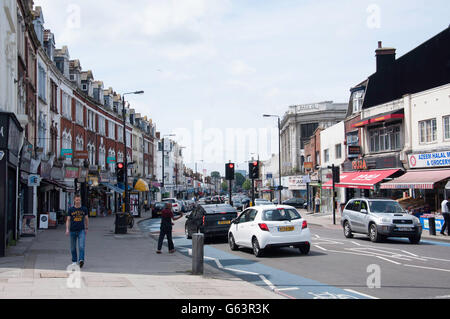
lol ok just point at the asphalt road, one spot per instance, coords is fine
(336, 267)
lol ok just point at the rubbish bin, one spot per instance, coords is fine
(121, 224)
(432, 226)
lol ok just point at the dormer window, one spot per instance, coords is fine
(84, 87)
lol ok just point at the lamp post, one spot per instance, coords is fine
(279, 154)
(125, 159)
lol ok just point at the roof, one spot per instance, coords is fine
(423, 68)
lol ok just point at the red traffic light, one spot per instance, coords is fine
(230, 165)
(255, 163)
(120, 165)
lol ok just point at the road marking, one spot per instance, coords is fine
(359, 293)
(394, 262)
(442, 297)
(320, 247)
(429, 268)
(357, 244)
(243, 271)
(267, 282)
(286, 289)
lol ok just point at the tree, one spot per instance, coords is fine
(224, 186)
(247, 185)
(240, 179)
(215, 174)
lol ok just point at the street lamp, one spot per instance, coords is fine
(279, 153)
(125, 159)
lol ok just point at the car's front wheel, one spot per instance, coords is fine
(347, 230)
(373, 233)
(257, 251)
(232, 243)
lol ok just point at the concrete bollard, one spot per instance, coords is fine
(198, 240)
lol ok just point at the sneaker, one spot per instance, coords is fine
(443, 234)
(81, 263)
(158, 251)
(172, 251)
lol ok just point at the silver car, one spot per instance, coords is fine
(379, 218)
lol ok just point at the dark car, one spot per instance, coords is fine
(295, 202)
(157, 208)
(211, 220)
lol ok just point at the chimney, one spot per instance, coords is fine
(385, 57)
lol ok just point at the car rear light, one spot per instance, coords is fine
(263, 227)
(304, 225)
(203, 220)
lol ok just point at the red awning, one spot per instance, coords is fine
(362, 180)
(420, 179)
(380, 118)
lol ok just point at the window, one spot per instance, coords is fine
(326, 156)
(84, 87)
(385, 139)
(91, 152)
(91, 121)
(66, 106)
(111, 130)
(120, 134)
(102, 156)
(128, 139)
(446, 127)
(357, 101)
(338, 149)
(54, 97)
(79, 117)
(79, 143)
(427, 131)
(101, 125)
(42, 83)
(317, 158)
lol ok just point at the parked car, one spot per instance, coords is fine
(211, 220)
(296, 202)
(379, 219)
(263, 227)
(237, 204)
(157, 208)
(176, 206)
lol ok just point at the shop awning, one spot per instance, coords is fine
(113, 188)
(141, 186)
(362, 180)
(421, 179)
(399, 114)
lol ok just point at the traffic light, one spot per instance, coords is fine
(253, 169)
(336, 174)
(229, 171)
(120, 171)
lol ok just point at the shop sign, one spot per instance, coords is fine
(437, 159)
(67, 153)
(297, 183)
(359, 165)
(308, 165)
(72, 172)
(81, 155)
(354, 151)
(111, 160)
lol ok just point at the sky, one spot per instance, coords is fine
(211, 68)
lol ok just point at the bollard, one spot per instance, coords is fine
(197, 253)
(121, 224)
(432, 226)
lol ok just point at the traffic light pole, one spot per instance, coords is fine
(253, 192)
(334, 195)
(125, 159)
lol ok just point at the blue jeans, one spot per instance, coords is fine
(81, 237)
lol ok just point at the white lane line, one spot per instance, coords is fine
(215, 260)
(359, 293)
(429, 268)
(287, 289)
(442, 297)
(242, 271)
(267, 282)
(391, 261)
(320, 247)
(357, 244)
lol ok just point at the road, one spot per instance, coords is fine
(336, 268)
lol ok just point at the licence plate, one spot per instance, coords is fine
(224, 222)
(285, 228)
(405, 229)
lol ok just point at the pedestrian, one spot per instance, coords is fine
(166, 227)
(445, 210)
(317, 202)
(77, 225)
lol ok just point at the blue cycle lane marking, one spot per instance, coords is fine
(282, 282)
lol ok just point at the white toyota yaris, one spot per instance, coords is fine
(263, 227)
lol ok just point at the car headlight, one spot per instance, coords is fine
(386, 220)
(417, 221)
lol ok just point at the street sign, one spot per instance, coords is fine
(34, 181)
(67, 153)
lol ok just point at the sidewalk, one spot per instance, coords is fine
(117, 266)
(326, 220)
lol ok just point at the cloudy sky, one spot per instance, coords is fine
(211, 68)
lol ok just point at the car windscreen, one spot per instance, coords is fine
(385, 207)
(280, 214)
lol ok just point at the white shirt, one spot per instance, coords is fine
(444, 208)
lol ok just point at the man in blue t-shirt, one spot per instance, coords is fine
(77, 227)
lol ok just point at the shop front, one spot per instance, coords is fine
(423, 186)
(10, 134)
